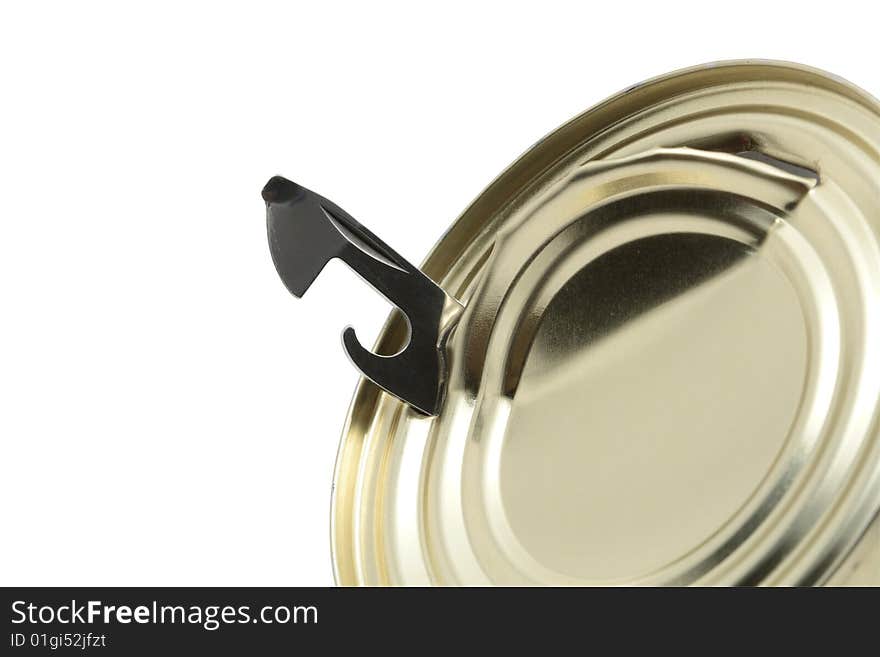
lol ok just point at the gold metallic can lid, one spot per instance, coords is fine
(648, 353)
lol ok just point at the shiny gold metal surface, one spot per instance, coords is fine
(667, 370)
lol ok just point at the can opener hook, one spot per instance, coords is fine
(306, 231)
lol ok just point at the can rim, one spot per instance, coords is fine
(516, 179)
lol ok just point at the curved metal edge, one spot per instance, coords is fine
(518, 178)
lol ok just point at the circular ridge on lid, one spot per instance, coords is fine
(664, 371)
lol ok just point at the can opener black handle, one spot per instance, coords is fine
(306, 231)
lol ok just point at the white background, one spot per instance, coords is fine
(169, 414)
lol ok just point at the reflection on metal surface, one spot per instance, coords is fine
(666, 370)
(619, 286)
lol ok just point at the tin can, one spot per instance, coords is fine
(646, 354)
